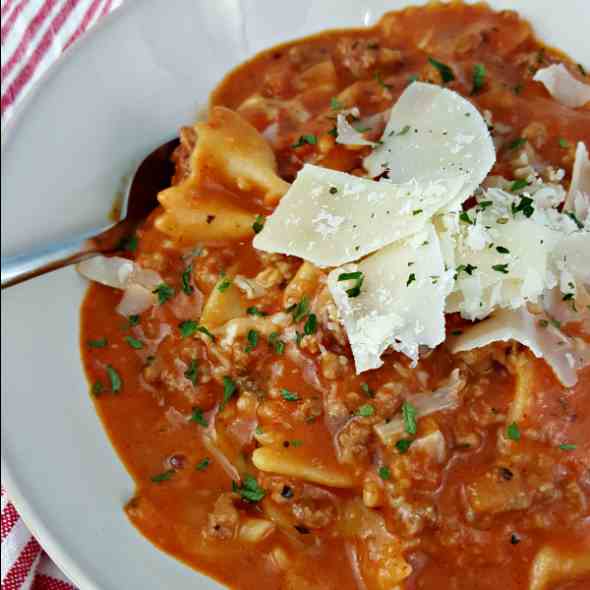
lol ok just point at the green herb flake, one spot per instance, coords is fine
(502, 250)
(503, 268)
(379, 78)
(164, 476)
(384, 473)
(366, 410)
(358, 277)
(296, 443)
(525, 206)
(484, 204)
(513, 432)
(256, 312)
(417, 211)
(192, 372)
(100, 343)
(224, 285)
(403, 130)
(567, 447)
(464, 217)
(563, 143)
(403, 445)
(479, 76)
(229, 389)
(133, 320)
(198, 417)
(411, 279)
(466, 268)
(276, 343)
(445, 71)
(517, 143)
(129, 243)
(134, 342)
(307, 139)
(409, 417)
(300, 309)
(249, 490)
(204, 330)
(518, 185)
(188, 328)
(252, 338)
(258, 224)
(203, 464)
(289, 396)
(97, 388)
(574, 218)
(115, 379)
(412, 78)
(335, 104)
(164, 293)
(186, 280)
(367, 390)
(311, 325)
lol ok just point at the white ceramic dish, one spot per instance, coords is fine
(122, 90)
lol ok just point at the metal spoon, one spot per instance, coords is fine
(151, 176)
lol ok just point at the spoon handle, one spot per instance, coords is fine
(19, 268)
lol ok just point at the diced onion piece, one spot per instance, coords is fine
(563, 86)
(346, 133)
(331, 218)
(434, 133)
(136, 299)
(254, 530)
(534, 331)
(112, 272)
(445, 397)
(578, 197)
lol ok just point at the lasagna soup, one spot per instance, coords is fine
(349, 349)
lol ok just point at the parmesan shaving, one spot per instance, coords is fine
(578, 197)
(562, 86)
(346, 133)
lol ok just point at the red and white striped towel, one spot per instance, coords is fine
(34, 34)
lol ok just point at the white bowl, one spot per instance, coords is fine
(125, 88)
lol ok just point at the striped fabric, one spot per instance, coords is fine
(34, 34)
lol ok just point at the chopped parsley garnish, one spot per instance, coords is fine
(289, 396)
(311, 325)
(186, 280)
(134, 343)
(99, 343)
(384, 473)
(255, 311)
(129, 243)
(411, 279)
(97, 388)
(567, 297)
(204, 330)
(403, 444)
(133, 320)
(409, 417)
(466, 268)
(501, 268)
(513, 432)
(249, 490)
(366, 410)
(229, 389)
(367, 390)
(307, 139)
(115, 379)
(164, 292)
(296, 443)
(335, 104)
(252, 338)
(224, 285)
(417, 211)
(333, 190)
(485, 204)
(464, 217)
(197, 416)
(358, 277)
(518, 185)
(479, 76)
(567, 447)
(502, 250)
(299, 310)
(403, 130)
(188, 328)
(446, 73)
(377, 76)
(525, 207)
(563, 143)
(258, 224)
(192, 372)
(203, 464)
(574, 218)
(516, 143)
(412, 78)
(164, 476)
(276, 343)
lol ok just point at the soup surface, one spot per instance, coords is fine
(469, 497)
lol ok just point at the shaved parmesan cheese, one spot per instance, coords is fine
(121, 273)
(563, 86)
(434, 134)
(401, 300)
(346, 133)
(572, 254)
(332, 218)
(578, 197)
(534, 331)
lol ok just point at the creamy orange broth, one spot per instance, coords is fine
(475, 520)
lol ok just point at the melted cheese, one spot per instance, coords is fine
(331, 218)
(434, 134)
(401, 303)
